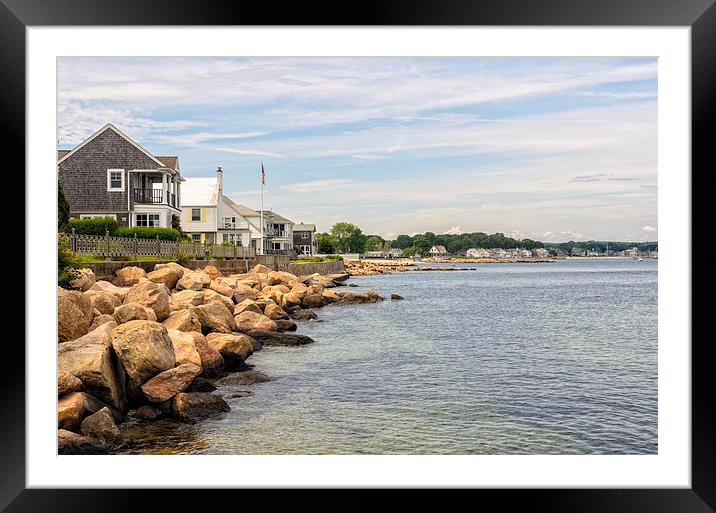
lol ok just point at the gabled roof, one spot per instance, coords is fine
(304, 227)
(170, 161)
(439, 249)
(110, 126)
(242, 210)
(275, 218)
(199, 192)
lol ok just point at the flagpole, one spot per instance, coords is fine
(262, 208)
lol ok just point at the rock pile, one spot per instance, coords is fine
(151, 345)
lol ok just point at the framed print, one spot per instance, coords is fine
(416, 248)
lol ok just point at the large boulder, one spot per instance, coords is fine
(214, 316)
(280, 277)
(247, 305)
(128, 276)
(190, 407)
(211, 295)
(74, 314)
(259, 269)
(179, 269)
(105, 302)
(105, 286)
(84, 281)
(212, 363)
(244, 378)
(144, 349)
(290, 299)
(273, 338)
(167, 276)
(273, 311)
(73, 408)
(92, 360)
(285, 325)
(193, 280)
(234, 348)
(99, 320)
(227, 281)
(248, 321)
(169, 383)
(67, 383)
(243, 292)
(304, 314)
(222, 289)
(184, 348)
(133, 312)
(185, 299)
(183, 320)
(152, 295)
(299, 290)
(100, 426)
(212, 271)
(312, 300)
(362, 297)
(72, 443)
(330, 296)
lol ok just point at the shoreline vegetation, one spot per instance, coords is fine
(146, 346)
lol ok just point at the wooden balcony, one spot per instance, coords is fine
(154, 197)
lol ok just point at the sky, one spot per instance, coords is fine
(553, 149)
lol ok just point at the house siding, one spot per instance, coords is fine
(84, 174)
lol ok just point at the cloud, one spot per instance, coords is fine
(455, 230)
(318, 185)
(649, 229)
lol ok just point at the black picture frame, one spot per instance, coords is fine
(700, 15)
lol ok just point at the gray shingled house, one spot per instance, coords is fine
(109, 174)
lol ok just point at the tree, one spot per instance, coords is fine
(374, 243)
(348, 238)
(403, 242)
(325, 243)
(63, 208)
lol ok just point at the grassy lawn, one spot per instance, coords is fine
(333, 258)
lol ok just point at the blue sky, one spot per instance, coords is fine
(553, 149)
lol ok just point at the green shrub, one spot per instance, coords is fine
(67, 264)
(227, 243)
(327, 258)
(144, 232)
(93, 226)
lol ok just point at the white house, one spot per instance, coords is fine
(438, 251)
(477, 253)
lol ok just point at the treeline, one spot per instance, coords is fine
(601, 246)
(457, 243)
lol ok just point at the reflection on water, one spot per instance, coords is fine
(509, 359)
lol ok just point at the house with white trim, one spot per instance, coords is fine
(109, 174)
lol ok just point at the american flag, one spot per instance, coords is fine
(263, 174)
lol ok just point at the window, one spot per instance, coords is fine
(115, 179)
(149, 220)
(305, 235)
(196, 214)
(196, 237)
(276, 245)
(306, 250)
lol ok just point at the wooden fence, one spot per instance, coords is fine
(111, 248)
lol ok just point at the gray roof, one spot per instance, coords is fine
(304, 227)
(242, 210)
(275, 218)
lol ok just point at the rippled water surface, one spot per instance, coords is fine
(556, 358)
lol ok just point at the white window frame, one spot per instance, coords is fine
(192, 215)
(196, 237)
(305, 235)
(148, 214)
(109, 180)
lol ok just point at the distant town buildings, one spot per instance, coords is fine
(304, 237)
(477, 253)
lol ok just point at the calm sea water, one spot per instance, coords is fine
(556, 358)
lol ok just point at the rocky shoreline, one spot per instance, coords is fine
(157, 345)
(371, 267)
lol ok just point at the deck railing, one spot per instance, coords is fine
(113, 248)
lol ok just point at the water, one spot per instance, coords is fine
(556, 358)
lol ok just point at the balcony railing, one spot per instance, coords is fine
(150, 196)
